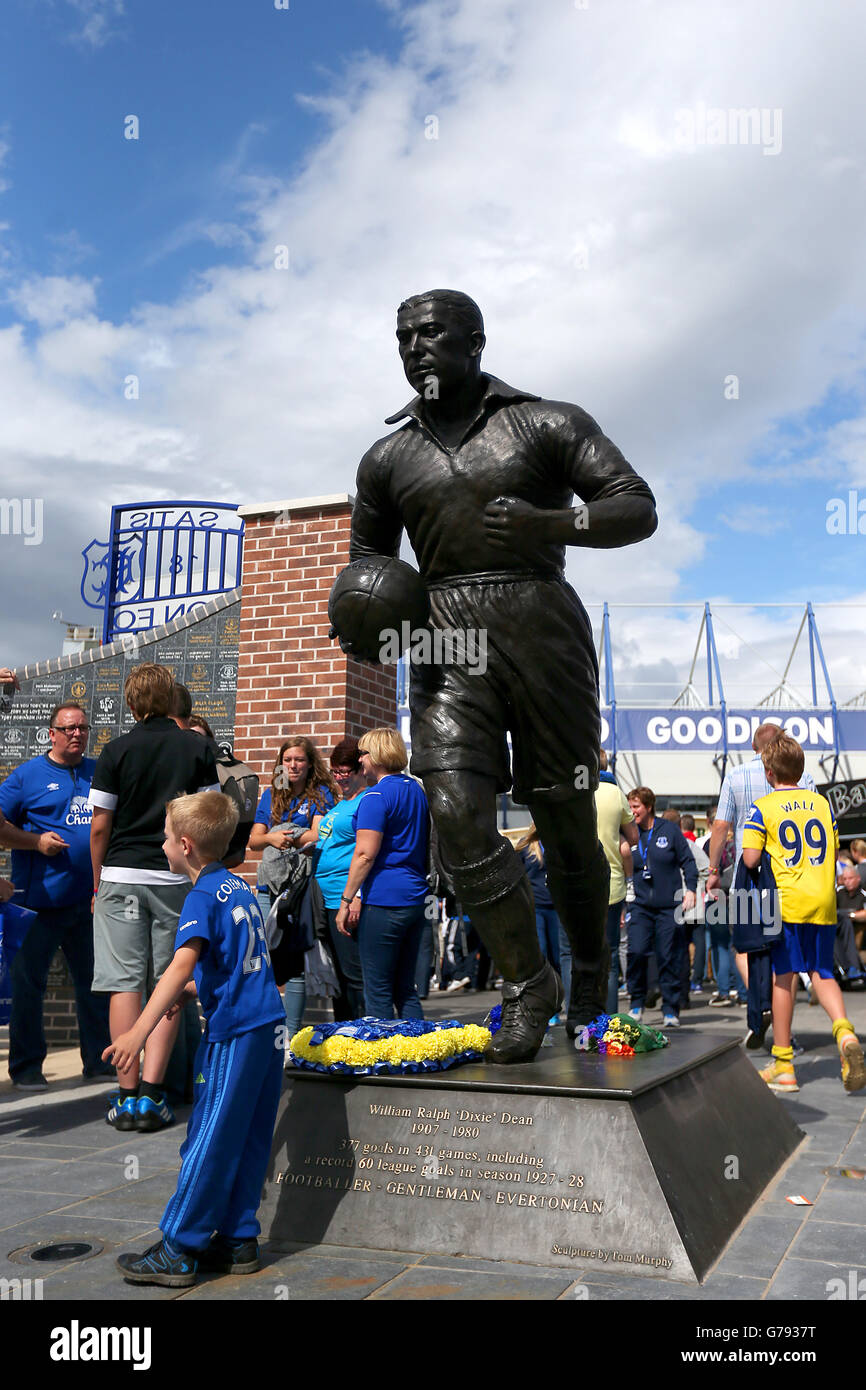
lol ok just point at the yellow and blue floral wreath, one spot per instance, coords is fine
(372, 1046)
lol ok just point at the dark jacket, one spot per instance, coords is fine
(754, 925)
(665, 850)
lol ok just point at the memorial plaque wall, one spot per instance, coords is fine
(201, 651)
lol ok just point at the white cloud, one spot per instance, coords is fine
(846, 446)
(96, 20)
(48, 300)
(70, 249)
(614, 269)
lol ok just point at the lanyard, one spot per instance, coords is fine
(639, 846)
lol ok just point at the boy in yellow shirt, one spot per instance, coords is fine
(797, 829)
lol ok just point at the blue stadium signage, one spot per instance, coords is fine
(162, 561)
(698, 730)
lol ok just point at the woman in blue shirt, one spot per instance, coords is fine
(301, 789)
(389, 866)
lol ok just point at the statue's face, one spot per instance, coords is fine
(432, 343)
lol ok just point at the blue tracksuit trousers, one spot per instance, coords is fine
(655, 929)
(228, 1140)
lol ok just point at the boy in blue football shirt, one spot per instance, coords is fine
(210, 1224)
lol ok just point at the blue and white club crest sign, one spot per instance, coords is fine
(163, 560)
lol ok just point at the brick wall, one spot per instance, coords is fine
(59, 1016)
(291, 677)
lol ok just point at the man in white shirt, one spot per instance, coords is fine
(740, 790)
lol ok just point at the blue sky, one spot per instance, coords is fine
(617, 264)
(214, 87)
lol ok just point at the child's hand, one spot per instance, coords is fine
(189, 991)
(124, 1051)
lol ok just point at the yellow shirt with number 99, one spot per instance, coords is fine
(798, 831)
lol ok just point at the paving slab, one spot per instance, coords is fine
(304, 1279)
(479, 1266)
(833, 1241)
(631, 1286)
(760, 1246)
(85, 1177)
(346, 1252)
(62, 1176)
(811, 1281)
(144, 1199)
(734, 1286)
(99, 1279)
(841, 1204)
(431, 1285)
(114, 1236)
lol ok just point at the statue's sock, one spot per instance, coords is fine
(581, 901)
(497, 898)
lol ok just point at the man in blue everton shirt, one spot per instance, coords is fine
(210, 1223)
(47, 827)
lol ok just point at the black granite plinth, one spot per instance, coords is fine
(645, 1165)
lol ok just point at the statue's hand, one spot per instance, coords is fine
(513, 524)
(348, 649)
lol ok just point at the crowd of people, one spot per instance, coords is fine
(126, 863)
(345, 862)
(89, 863)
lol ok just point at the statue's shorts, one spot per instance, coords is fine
(507, 654)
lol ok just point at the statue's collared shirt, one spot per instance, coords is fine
(517, 445)
(494, 390)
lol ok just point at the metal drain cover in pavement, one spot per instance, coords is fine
(64, 1250)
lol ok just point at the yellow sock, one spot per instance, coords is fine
(783, 1054)
(841, 1026)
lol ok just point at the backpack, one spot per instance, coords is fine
(241, 784)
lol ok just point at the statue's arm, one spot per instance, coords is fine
(376, 523)
(617, 507)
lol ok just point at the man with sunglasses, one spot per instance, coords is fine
(47, 827)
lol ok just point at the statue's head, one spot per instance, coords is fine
(440, 335)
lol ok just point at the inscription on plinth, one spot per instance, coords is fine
(572, 1161)
(541, 1179)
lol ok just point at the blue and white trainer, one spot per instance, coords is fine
(161, 1264)
(152, 1114)
(121, 1113)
